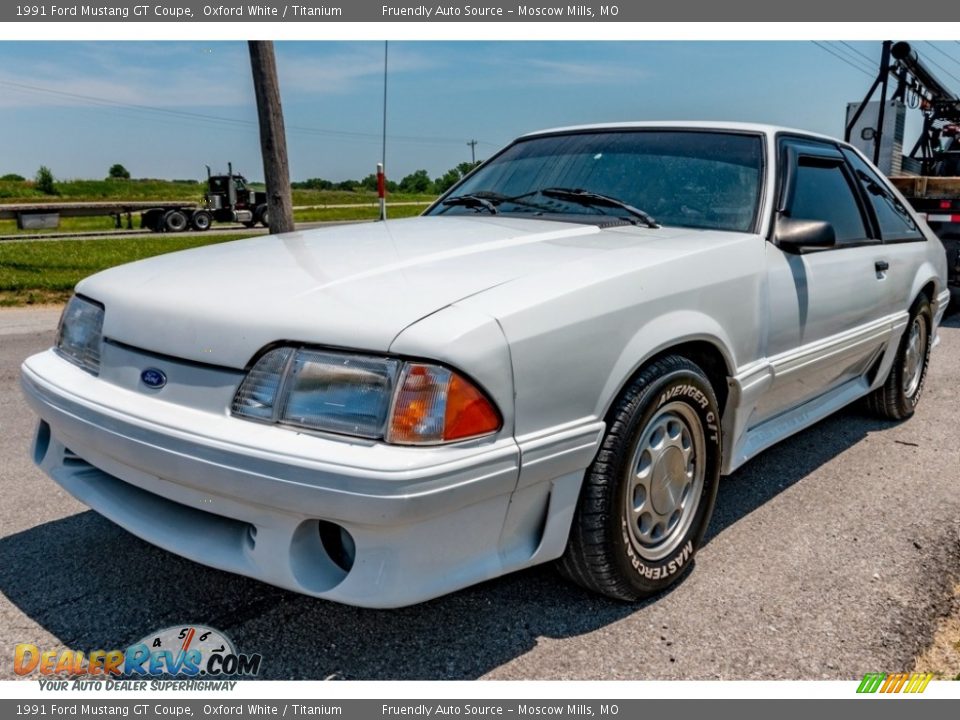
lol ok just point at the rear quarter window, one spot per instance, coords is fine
(892, 216)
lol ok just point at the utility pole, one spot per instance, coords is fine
(473, 151)
(273, 141)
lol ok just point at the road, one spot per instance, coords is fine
(830, 555)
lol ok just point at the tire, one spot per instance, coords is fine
(666, 424)
(152, 219)
(174, 221)
(263, 216)
(201, 221)
(900, 393)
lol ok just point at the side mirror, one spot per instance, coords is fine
(795, 235)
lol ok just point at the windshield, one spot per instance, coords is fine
(697, 179)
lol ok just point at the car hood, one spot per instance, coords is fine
(353, 286)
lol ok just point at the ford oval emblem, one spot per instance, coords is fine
(153, 378)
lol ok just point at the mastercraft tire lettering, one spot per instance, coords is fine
(649, 494)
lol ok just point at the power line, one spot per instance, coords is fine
(938, 65)
(235, 122)
(842, 58)
(942, 52)
(854, 58)
(861, 54)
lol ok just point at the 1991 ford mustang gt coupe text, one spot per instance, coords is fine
(558, 360)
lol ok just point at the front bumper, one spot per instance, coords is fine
(250, 499)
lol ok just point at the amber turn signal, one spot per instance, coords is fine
(435, 405)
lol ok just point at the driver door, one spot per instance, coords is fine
(826, 315)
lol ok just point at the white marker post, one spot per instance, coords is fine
(382, 191)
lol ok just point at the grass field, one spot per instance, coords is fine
(12, 192)
(46, 271)
(102, 190)
(314, 214)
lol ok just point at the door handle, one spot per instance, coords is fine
(881, 266)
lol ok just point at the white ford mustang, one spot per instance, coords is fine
(558, 360)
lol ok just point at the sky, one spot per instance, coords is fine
(167, 109)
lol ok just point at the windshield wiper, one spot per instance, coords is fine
(472, 201)
(592, 199)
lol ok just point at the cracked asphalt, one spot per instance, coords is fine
(830, 555)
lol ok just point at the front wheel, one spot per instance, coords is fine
(899, 395)
(649, 494)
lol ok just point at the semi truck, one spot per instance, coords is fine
(929, 175)
(228, 199)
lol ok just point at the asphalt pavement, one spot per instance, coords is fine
(830, 555)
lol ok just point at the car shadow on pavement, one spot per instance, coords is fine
(790, 461)
(92, 585)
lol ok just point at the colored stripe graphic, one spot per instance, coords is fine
(871, 682)
(895, 683)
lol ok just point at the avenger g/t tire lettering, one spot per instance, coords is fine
(647, 498)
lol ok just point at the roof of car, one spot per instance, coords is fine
(685, 124)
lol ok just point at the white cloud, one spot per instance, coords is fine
(569, 73)
(106, 75)
(340, 72)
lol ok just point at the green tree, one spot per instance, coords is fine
(453, 176)
(446, 181)
(119, 172)
(13, 177)
(416, 182)
(465, 167)
(43, 181)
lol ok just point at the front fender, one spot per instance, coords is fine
(657, 336)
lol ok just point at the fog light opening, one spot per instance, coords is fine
(338, 543)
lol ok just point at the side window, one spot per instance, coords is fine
(894, 219)
(822, 192)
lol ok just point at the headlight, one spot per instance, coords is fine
(401, 402)
(80, 333)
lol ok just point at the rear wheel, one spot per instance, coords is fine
(649, 494)
(174, 221)
(263, 215)
(899, 395)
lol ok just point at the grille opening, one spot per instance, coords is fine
(338, 543)
(71, 459)
(41, 442)
(179, 528)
